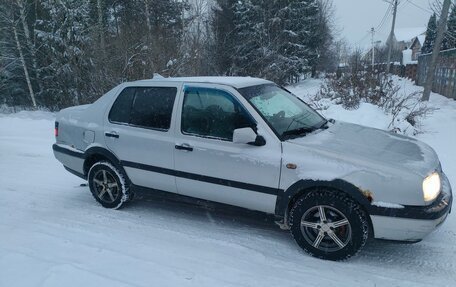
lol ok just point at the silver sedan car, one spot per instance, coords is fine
(250, 143)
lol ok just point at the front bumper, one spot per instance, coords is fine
(412, 223)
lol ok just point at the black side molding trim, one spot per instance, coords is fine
(203, 178)
(78, 174)
(67, 151)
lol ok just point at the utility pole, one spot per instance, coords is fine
(390, 38)
(436, 50)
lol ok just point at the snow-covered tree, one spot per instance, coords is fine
(327, 55)
(431, 35)
(224, 37)
(250, 36)
(16, 69)
(198, 59)
(278, 40)
(449, 42)
(57, 53)
(62, 32)
(299, 40)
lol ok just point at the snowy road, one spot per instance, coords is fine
(53, 233)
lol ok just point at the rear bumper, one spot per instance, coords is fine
(72, 159)
(412, 223)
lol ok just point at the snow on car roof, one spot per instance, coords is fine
(237, 82)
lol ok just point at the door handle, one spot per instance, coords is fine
(185, 147)
(112, 135)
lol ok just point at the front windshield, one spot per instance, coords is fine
(284, 112)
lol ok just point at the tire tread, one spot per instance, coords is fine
(336, 196)
(125, 186)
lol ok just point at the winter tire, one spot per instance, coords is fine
(108, 185)
(329, 225)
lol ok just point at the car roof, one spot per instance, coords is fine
(236, 82)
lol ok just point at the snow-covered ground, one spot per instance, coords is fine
(53, 233)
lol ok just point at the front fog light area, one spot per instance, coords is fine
(431, 187)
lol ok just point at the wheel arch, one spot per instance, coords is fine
(287, 198)
(96, 154)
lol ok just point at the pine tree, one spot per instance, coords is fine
(149, 39)
(431, 35)
(278, 40)
(73, 51)
(303, 37)
(62, 33)
(224, 36)
(167, 30)
(327, 54)
(249, 36)
(450, 38)
(293, 52)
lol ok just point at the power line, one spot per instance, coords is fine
(363, 38)
(385, 17)
(387, 14)
(401, 4)
(419, 7)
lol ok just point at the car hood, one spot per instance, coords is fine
(369, 145)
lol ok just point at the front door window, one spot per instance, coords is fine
(212, 113)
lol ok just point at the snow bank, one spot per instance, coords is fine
(397, 115)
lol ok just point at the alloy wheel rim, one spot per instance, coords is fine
(105, 186)
(326, 228)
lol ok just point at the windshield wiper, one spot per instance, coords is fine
(323, 126)
(305, 130)
(299, 131)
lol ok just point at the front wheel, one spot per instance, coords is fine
(108, 185)
(329, 225)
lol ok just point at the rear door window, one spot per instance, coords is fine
(120, 111)
(147, 107)
(153, 107)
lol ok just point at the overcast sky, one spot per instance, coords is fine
(356, 17)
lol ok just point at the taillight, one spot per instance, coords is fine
(56, 129)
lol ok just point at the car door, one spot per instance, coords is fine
(139, 130)
(209, 165)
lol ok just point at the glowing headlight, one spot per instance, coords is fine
(431, 187)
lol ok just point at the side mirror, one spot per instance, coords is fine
(248, 136)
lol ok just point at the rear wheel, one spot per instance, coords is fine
(108, 185)
(329, 225)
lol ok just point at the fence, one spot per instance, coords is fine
(407, 71)
(410, 71)
(445, 74)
